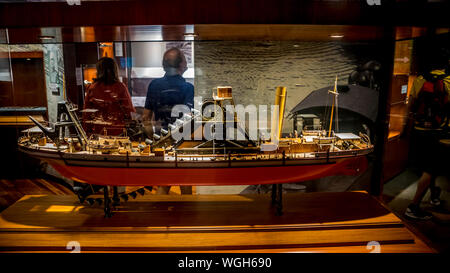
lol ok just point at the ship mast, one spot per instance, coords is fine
(335, 104)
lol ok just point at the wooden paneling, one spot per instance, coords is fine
(396, 157)
(174, 12)
(18, 120)
(30, 54)
(233, 32)
(73, 90)
(86, 53)
(29, 82)
(6, 95)
(13, 190)
(402, 58)
(266, 32)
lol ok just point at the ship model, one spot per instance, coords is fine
(161, 160)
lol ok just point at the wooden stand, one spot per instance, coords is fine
(311, 222)
(277, 198)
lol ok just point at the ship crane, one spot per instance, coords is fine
(66, 118)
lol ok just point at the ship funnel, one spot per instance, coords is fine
(280, 101)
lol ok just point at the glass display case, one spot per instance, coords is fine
(333, 81)
(217, 112)
(334, 75)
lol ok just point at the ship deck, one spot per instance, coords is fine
(312, 222)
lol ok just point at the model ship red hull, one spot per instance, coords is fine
(210, 175)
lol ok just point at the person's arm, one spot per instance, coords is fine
(87, 103)
(129, 102)
(87, 97)
(147, 115)
(189, 99)
(126, 102)
(409, 117)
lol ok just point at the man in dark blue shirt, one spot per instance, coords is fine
(163, 94)
(168, 91)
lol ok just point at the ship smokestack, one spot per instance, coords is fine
(280, 101)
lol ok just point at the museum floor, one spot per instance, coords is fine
(398, 194)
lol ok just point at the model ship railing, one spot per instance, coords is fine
(213, 157)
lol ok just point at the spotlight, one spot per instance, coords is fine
(164, 132)
(190, 36)
(337, 36)
(155, 136)
(46, 37)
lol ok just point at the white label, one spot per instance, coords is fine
(118, 49)
(54, 89)
(404, 89)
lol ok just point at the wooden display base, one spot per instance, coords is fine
(322, 222)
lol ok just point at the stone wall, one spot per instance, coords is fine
(254, 69)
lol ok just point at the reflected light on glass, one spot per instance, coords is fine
(147, 33)
(56, 208)
(336, 36)
(190, 36)
(46, 37)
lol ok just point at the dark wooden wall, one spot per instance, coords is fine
(29, 82)
(6, 94)
(76, 55)
(155, 12)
